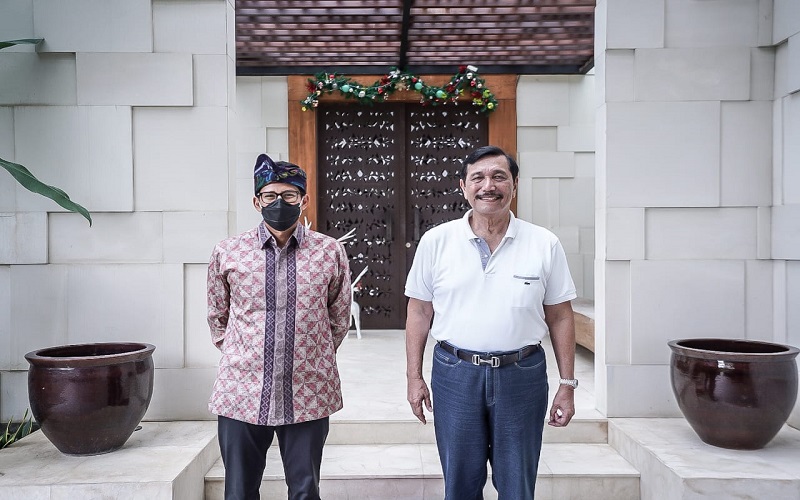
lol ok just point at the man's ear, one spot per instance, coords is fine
(256, 204)
(304, 202)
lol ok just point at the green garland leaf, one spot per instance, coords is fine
(466, 81)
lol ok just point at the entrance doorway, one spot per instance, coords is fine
(390, 173)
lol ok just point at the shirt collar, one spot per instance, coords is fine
(264, 236)
(511, 231)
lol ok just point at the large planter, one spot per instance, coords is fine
(89, 398)
(735, 394)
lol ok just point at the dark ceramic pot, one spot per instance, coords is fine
(735, 394)
(89, 398)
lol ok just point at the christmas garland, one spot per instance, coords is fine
(466, 80)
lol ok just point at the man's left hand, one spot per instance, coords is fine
(563, 407)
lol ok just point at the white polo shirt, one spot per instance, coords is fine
(496, 308)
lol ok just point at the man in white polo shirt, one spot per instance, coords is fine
(494, 286)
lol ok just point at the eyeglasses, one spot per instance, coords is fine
(290, 197)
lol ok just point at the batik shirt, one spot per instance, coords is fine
(278, 315)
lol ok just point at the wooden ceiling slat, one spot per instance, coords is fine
(554, 35)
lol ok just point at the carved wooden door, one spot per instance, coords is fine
(391, 173)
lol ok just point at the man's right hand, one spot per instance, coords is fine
(417, 394)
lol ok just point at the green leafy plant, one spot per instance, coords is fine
(22, 430)
(24, 176)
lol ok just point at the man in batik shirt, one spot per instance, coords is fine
(278, 309)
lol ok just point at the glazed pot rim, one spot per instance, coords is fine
(777, 351)
(134, 351)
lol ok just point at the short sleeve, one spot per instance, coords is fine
(559, 286)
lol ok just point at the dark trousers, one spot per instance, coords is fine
(244, 454)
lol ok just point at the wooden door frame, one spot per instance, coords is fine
(303, 124)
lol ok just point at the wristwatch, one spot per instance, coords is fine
(572, 382)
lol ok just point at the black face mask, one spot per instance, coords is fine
(279, 215)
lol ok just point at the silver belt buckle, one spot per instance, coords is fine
(477, 361)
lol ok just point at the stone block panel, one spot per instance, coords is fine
(128, 302)
(92, 143)
(762, 74)
(5, 319)
(625, 233)
(17, 23)
(701, 233)
(581, 99)
(683, 299)
(689, 23)
(545, 199)
(619, 75)
(38, 310)
(113, 238)
(662, 154)
(537, 139)
(793, 298)
(181, 394)
(524, 200)
(200, 352)
(194, 27)
(692, 74)
(92, 26)
(545, 164)
(786, 232)
(23, 238)
(746, 153)
(793, 63)
(31, 78)
(181, 159)
(576, 202)
(249, 108)
(633, 24)
(791, 149)
(616, 287)
(786, 20)
(640, 391)
(759, 300)
(542, 101)
(210, 80)
(275, 102)
(576, 138)
(134, 79)
(13, 395)
(189, 237)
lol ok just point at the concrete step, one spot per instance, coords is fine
(412, 471)
(582, 429)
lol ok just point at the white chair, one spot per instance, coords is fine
(355, 309)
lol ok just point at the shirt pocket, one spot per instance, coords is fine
(525, 289)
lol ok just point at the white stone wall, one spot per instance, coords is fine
(698, 185)
(126, 105)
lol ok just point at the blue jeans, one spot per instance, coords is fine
(489, 414)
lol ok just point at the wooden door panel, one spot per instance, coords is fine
(390, 172)
(361, 187)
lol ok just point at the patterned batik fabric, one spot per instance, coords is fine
(278, 315)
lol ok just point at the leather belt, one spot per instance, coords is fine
(494, 360)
